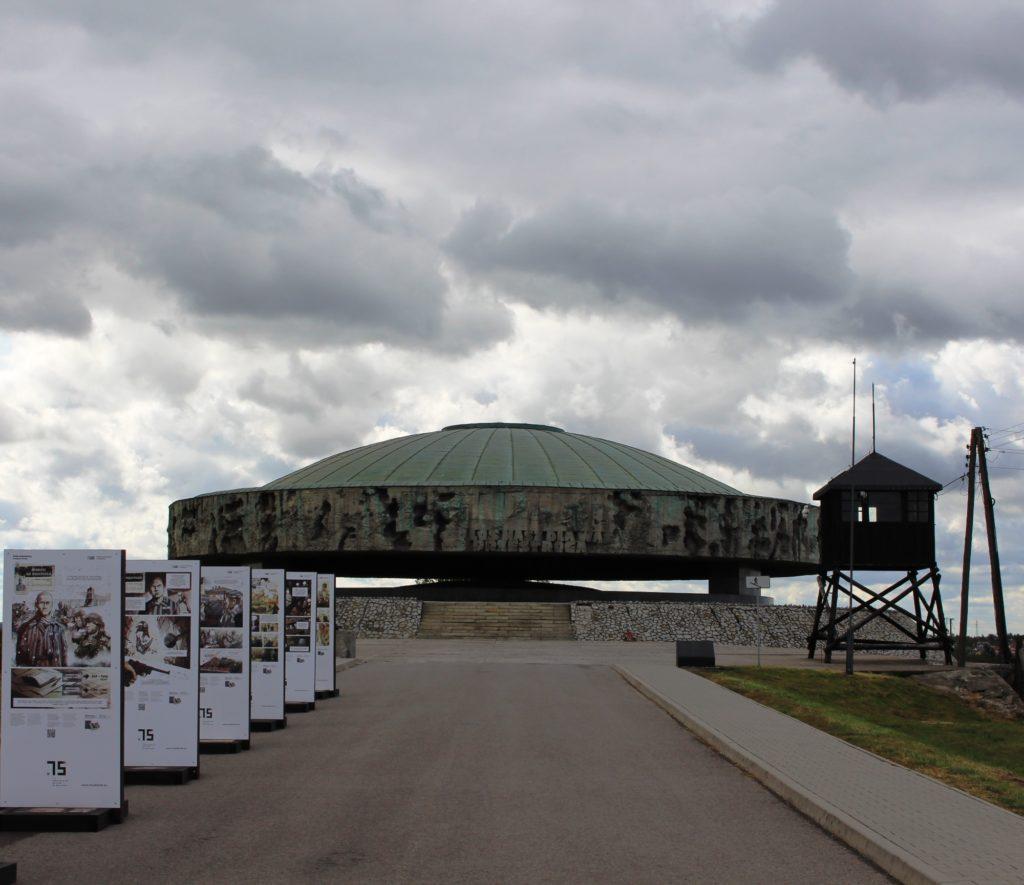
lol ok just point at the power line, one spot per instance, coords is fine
(1004, 429)
(948, 484)
(1001, 439)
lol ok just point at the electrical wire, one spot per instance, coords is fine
(1002, 439)
(1004, 429)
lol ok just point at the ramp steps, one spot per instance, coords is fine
(495, 620)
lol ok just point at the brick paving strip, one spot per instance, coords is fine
(913, 827)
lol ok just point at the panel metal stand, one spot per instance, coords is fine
(172, 774)
(268, 724)
(300, 707)
(223, 746)
(924, 627)
(8, 873)
(325, 693)
(79, 820)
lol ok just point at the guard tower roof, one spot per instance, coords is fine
(875, 472)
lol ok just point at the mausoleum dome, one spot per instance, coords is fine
(502, 455)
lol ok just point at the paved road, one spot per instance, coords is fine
(458, 772)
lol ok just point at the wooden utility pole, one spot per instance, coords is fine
(965, 579)
(993, 550)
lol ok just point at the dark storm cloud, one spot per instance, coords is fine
(232, 236)
(792, 450)
(242, 236)
(911, 49)
(27, 308)
(705, 260)
(880, 315)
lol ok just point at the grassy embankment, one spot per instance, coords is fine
(901, 720)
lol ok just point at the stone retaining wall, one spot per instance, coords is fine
(370, 618)
(782, 626)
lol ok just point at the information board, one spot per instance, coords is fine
(300, 656)
(62, 694)
(224, 653)
(326, 671)
(161, 665)
(267, 641)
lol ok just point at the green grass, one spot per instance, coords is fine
(895, 717)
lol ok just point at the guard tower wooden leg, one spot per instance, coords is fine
(812, 640)
(830, 637)
(947, 642)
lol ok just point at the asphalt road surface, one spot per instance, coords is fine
(457, 772)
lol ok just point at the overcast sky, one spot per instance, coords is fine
(237, 238)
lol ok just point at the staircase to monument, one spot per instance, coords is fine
(495, 620)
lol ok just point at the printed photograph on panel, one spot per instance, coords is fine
(296, 625)
(36, 682)
(168, 593)
(220, 660)
(41, 635)
(90, 641)
(298, 600)
(33, 578)
(155, 647)
(67, 686)
(264, 640)
(59, 632)
(222, 607)
(264, 655)
(323, 632)
(323, 594)
(220, 637)
(265, 598)
(296, 643)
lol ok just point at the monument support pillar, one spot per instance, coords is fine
(732, 581)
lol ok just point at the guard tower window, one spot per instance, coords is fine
(880, 507)
(918, 506)
(884, 507)
(864, 512)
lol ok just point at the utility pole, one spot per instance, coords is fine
(854, 513)
(993, 550)
(965, 577)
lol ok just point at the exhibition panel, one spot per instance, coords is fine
(224, 653)
(300, 657)
(326, 674)
(161, 663)
(62, 717)
(267, 642)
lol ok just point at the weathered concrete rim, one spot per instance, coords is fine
(883, 852)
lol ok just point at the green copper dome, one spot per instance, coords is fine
(501, 455)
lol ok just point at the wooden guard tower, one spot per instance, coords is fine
(892, 509)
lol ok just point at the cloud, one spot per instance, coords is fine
(229, 237)
(706, 260)
(912, 50)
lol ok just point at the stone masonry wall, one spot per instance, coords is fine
(370, 618)
(782, 626)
